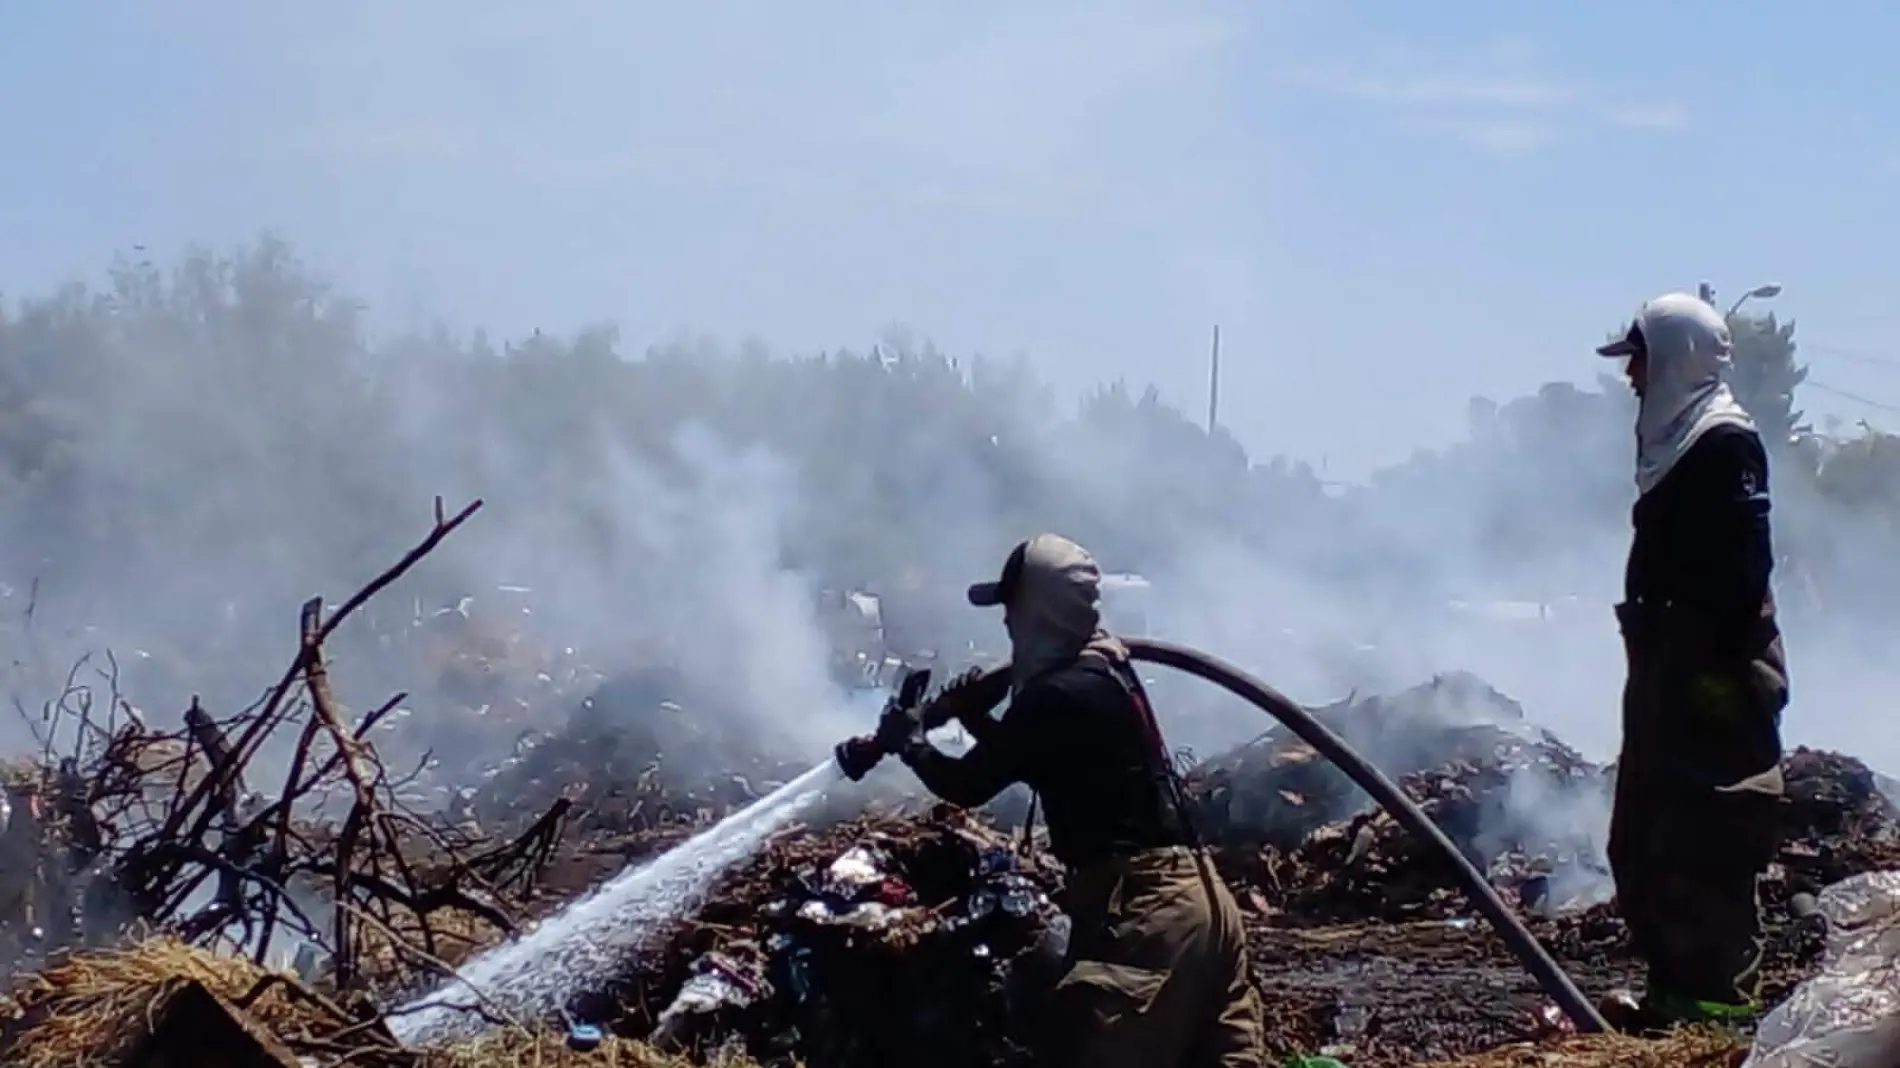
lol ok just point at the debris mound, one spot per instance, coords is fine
(1838, 820)
(1361, 938)
(646, 750)
(1519, 803)
(926, 937)
(921, 940)
(1276, 790)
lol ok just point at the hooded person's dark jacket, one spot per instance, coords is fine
(1702, 538)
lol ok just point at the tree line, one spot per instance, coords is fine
(186, 439)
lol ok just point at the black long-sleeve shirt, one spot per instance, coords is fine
(1077, 738)
(1702, 538)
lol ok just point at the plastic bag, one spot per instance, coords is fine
(1848, 1016)
(718, 983)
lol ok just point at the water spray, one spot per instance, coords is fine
(583, 945)
(857, 756)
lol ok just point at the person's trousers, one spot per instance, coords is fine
(1697, 804)
(1157, 973)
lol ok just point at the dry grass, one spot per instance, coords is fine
(82, 1011)
(89, 1010)
(1692, 1047)
(515, 1049)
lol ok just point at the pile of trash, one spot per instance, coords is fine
(640, 765)
(831, 945)
(1839, 820)
(922, 940)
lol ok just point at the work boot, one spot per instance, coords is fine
(1675, 1008)
(1662, 1010)
(1625, 1014)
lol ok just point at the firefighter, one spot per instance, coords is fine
(1157, 972)
(1699, 785)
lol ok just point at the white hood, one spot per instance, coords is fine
(1054, 613)
(1685, 396)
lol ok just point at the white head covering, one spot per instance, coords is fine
(1052, 587)
(1684, 397)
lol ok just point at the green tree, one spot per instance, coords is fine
(1765, 377)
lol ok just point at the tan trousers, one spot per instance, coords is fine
(1158, 972)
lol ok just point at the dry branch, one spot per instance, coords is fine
(168, 813)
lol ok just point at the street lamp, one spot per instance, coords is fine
(1761, 292)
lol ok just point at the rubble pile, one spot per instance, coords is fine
(1372, 952)
(925, 937)
(1363, 946)
(1519, 803)
(1369, 867)
(885, 940)
(1839, 821)
(1276, 790)
(639, 754)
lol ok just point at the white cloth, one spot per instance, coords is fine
(1054, 612)
(1685, 395)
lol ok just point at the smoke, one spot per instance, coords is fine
(193, 451)
(219, 441)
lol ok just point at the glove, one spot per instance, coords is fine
(894, 728)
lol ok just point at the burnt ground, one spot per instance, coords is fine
(1361, 941)
(929, 935)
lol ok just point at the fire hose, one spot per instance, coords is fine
(855, 756)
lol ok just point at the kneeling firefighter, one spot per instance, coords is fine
(1157, 971)
(1698, 785)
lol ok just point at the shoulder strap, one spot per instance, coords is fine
(1166, 777)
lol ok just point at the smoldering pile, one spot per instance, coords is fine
(1374, 955)
(930, 937)
(1521, 805)
(644, 763)
(644, 749)
(637, 767)
(1363, 936)
(921, 939)
(1363, 943)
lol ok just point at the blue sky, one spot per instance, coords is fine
(1389, 207)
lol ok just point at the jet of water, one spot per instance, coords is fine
(588, 942)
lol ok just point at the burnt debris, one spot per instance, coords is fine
(197, 861)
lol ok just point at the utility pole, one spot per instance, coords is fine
(1213, 384)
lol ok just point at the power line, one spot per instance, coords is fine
(1855, 397)
(1888, 363)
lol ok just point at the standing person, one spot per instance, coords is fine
(1699, 782)
(1157, 971)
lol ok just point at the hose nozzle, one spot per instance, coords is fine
(857, 756)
